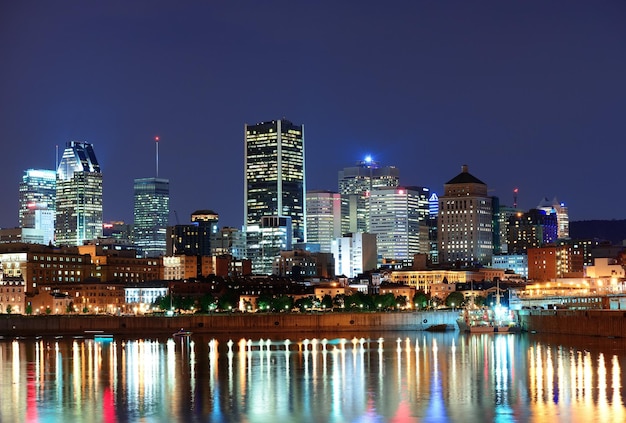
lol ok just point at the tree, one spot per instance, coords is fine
(455, 299)
(9, 308)
(327, 302)
(420, 300)
(48, 310)
(29, 309)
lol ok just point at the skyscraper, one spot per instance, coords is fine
(465, 221)
(355, 184)
(37, 202)
(323, 215)
(399, 217)
(79, 195)
(562, 215)
(275, 182)
(151, 215)
(274, 178)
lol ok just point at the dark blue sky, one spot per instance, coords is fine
(529, 94)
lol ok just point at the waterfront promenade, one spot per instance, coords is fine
(17, 325)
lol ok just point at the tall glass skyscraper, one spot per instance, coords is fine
(355, 184)
(151, 215)
(79, 195)
(274, 178)
(323, 218)
(37, 202)
(399, 217)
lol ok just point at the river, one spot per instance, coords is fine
(380, 377)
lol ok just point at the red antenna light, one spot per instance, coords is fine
(515, 191)
(156, 139)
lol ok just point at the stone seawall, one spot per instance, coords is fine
(17, 325)
(605, 323)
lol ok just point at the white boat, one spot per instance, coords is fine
(182, 333)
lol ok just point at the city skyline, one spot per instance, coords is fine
(528, 95)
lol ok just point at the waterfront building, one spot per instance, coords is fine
(355, 185)
(275, 174)
(532, 229)
(119, 263)
(89, 296)
(465, 234)
(78, 195)
(399, 217)
(605, 268)
(12, 294)
(141, 297)
(551, 262)
(323, 215)
(354, 254)
(425, 279)
(151, 215)
(560, 209)
(518, 263)
(41, 264)
(300, 264)
(37, 202)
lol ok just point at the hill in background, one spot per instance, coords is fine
(610, 230)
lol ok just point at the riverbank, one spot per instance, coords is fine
(52, 325)
(604, 323)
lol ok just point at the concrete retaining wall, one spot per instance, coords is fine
(606, 323)
(16, 325)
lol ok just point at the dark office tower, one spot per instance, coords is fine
(79, 195)
(533, 229)
(355, 186)
(274, 178)
(194, 239)
(151, 215)
(38, 191)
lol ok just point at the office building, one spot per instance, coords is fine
(399, 218)
(355, 184)
(78, 195)
(323, 215)
(532, 229)
(151, 215)
(275, 174)
(354, 254)
(562, 215)
(37, 198)
(465, 221)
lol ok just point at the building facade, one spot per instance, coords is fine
(354, 254)
(151, 215)
(275, 174)
(323, 217)
(399, 217)
(562, 215)
(465, 234)
(78, 195)
(37, 202)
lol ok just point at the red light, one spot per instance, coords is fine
(156, 139)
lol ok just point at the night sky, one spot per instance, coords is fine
(528, 94)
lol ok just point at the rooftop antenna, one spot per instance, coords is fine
(56, 158)
(515, 191)
(156, 139)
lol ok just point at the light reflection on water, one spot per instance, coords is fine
(411, 377)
